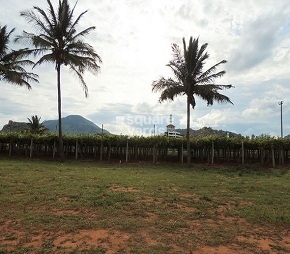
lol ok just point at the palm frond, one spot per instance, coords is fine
(177, 56)
(212, 70)
(209, 78)
(48, 58)
(13, 62)
(82, 81)
(178, 70)
(83, 33)
(31, 17)
(168, 87)
(74, 24)
(210, 93)
(51, 13)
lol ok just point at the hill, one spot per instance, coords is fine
(207, 131)
(14, 126)
(74, 124)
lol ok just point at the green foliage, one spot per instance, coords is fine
(35, 126)
(151, 141)
(13, 63)
(57, 39)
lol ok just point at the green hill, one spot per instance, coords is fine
(74, 124)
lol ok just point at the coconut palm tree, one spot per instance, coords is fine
(191, 80)
(12, 62)
(58, 41)
(35, 126)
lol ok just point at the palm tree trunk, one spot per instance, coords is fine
(187, 133)
(60, 139)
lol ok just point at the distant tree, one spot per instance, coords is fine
(35, 126)
(57, 41)
(191, 80)
(13, 62)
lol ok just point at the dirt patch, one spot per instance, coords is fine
(110, 240)
(215, 250)
(35, 241)
(262, 244)
(10, 235)
(147, 238)
(286, 240)
(212, 232)
(267, 245)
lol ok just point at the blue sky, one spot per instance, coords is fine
(134, 40)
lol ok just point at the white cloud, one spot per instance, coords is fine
(258, 108)
(214, 118)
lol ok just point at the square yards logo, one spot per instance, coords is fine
(144, 124)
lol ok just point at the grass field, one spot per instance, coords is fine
(87, 207)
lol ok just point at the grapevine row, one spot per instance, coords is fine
(156, 148)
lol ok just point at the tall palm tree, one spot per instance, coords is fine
(191, 80)
(58, 41)
(13, 62)
(35, 126)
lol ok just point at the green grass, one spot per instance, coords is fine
(159, 208)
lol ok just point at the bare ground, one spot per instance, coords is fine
(247, 238)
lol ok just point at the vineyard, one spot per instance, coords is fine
(264, 150)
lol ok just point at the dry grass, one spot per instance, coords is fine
(85, 207)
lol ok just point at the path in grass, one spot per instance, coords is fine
(83, 207)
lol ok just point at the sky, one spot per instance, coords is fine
(134, 39)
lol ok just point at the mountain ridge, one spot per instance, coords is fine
(208, 131)
(72, 124)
